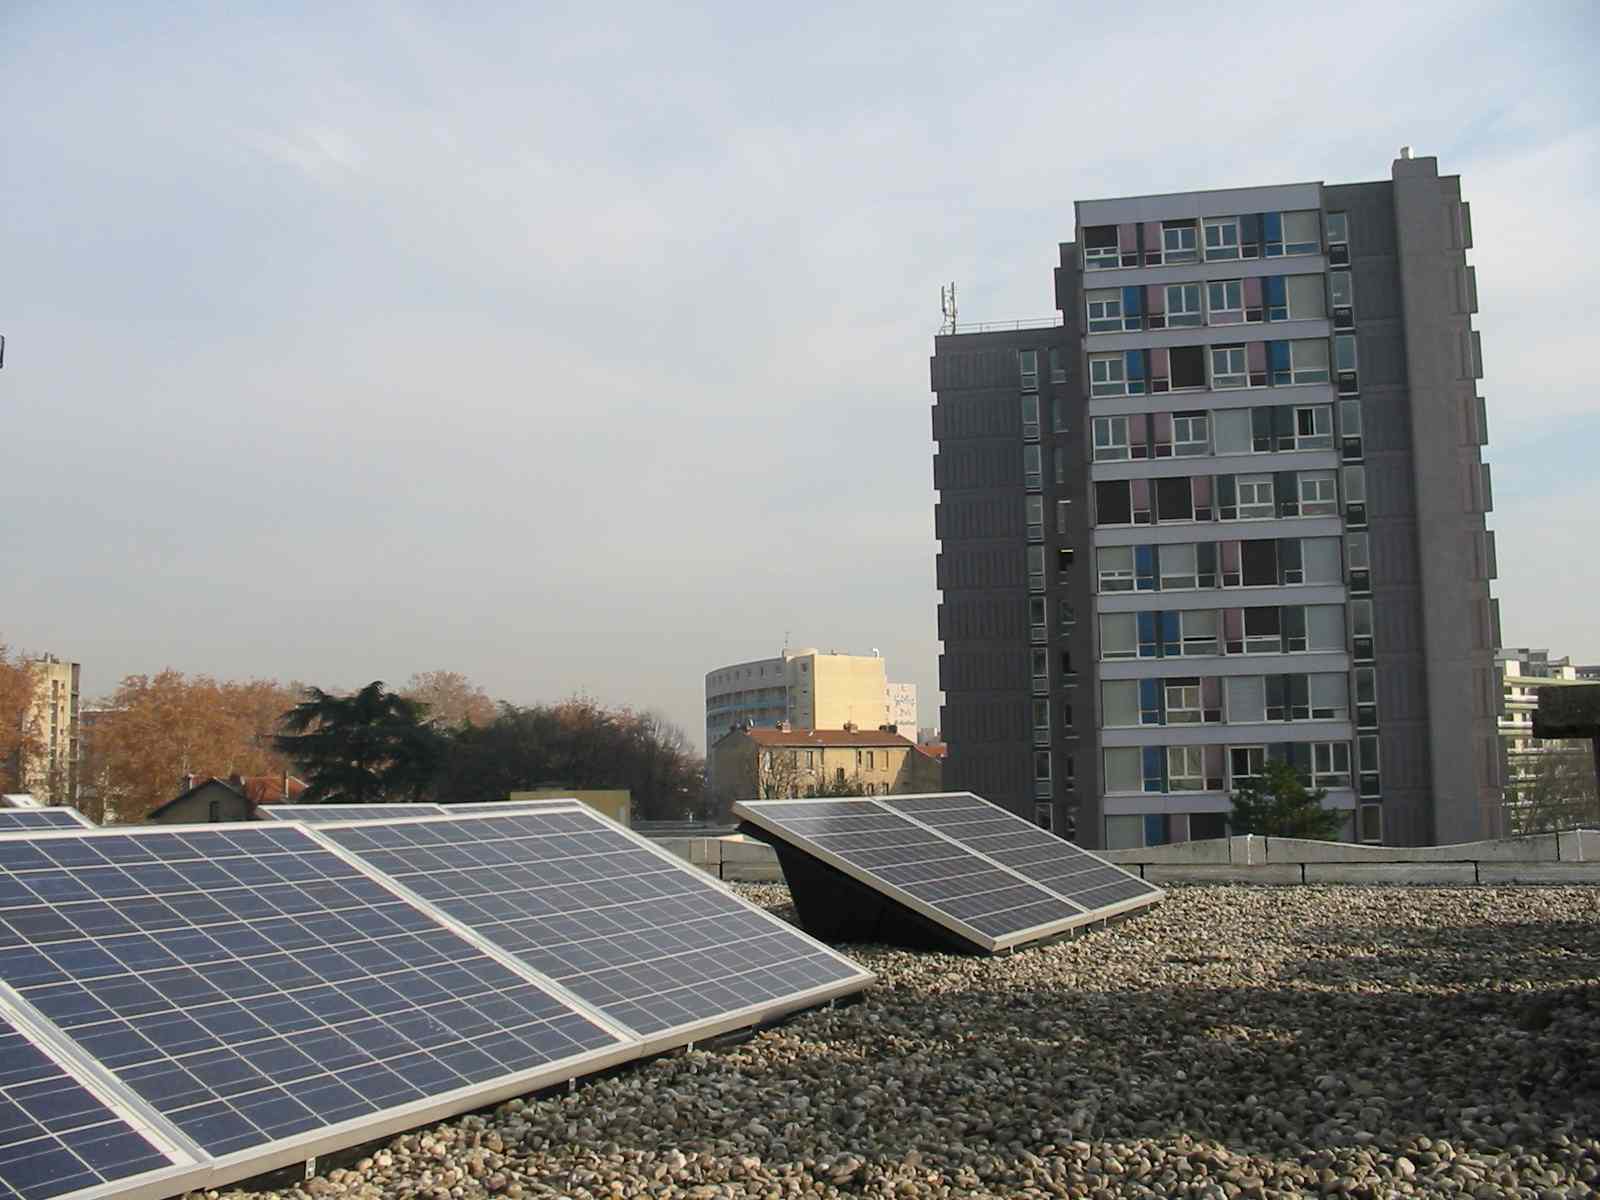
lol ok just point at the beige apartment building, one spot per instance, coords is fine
(51, 775)
(771, 764)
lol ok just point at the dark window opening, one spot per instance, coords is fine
(1188, 366)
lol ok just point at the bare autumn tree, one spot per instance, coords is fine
(19, 727)
(164, 727)
(452, 700)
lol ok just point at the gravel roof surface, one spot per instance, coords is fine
(1231, 1041)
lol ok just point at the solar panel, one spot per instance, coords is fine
(41, 818)
(310, 813)
(267, 996)
(1020, 845)
(652, 942)
(968, 866)
(59, 1138)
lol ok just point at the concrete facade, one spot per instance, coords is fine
(773, 764)
(52, 774)
(1239, 573)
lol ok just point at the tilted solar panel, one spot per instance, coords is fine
(1066, 869)
(967, 866)
(651, 941)
(315, 813)
(41, 818)
(268, 997)
(59, 1138)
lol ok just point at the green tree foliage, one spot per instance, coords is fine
(575, 744)
(367, 748)
(1279, 805)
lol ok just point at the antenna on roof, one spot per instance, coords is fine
(947, 305)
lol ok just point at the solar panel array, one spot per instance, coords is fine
(206, 1003)
(317, 813)
(650, 941)
(968, 865)
(41, 818)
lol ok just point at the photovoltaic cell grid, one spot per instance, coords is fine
(252, 985)
(651, 942)
(922, 864)
(317, 813)
(55, 1135)
(13, 819)
(1028, 850)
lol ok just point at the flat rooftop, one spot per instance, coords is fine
(1278, 1041)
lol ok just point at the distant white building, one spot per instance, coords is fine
(903, 708)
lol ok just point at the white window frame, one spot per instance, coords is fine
(1186, 769)
(1172, 248)
(1226, 247)
(1225, 313)
(1320, 415)
(1033, 516)
(1325, 770)
(1132, 651)
(1030, 415)
(1341, 343)
(1185, 442)
(1111, 442)
(1203, 644)
(1319, 493)
(1106, 320)
(1108, 375)
(1322, 374)
(1341, 281)
(1103, 258)
(1028, 368)
(1032, 466)
(1314, 246)
(1327, 228)
(1228, 377)
(1187, 581)
(1262, 505)
(1256, 761)
(1187, 713)
(1114, 579)
(1181, 315)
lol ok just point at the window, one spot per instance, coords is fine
(1247, 699)
(1124, 770)
(1174, 499)
(1231, 430)
(1263, 631)
(1060, 421)
(1066, 615)
(1320, 560)
(1067, 673)
(1032, 467)
(1113, 502)
(1058, 373)
(1183, 701)
(838, 774)
(1100, 251)
(1059, 456)
(1255, 497)
(1325, 627)
(1338, 230)
(1228, 367)
(1041, 670)
(1330, 764)
(1030, 416)
(1186, 367)
(1246, 764)
(1036, 617)
(1313, 428)
(1178, 242)
(1225, 302)
(1044, 816)
(1308, 361)
(1308, 297)
(1330, 697)
(1041, 719)
(1033, 517)
(1063, 515)
(1119, 703)
(1189, 434)
(1371, 823)
(1064, 557)
(1178, 568)
(1301, 234)
(811, 758)
(1035, 561)
(1183, 305)
(1344, 352)
(1199, 631)
(1114, 566)
(1107, 376)
(870, 760)
(1318, 494)
(213, 808)
(1111, 439)
(1186, 771)
(1028, 365)
(1258, 559)
(1105, 310)
(1041, 766)
(1119, 635)
(1340, 289)
(1222, 238)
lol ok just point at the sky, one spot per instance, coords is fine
(584, 348)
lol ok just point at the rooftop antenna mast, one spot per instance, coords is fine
(947, 305)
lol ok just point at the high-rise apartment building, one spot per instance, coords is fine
(1227, 509)
(51, 774)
